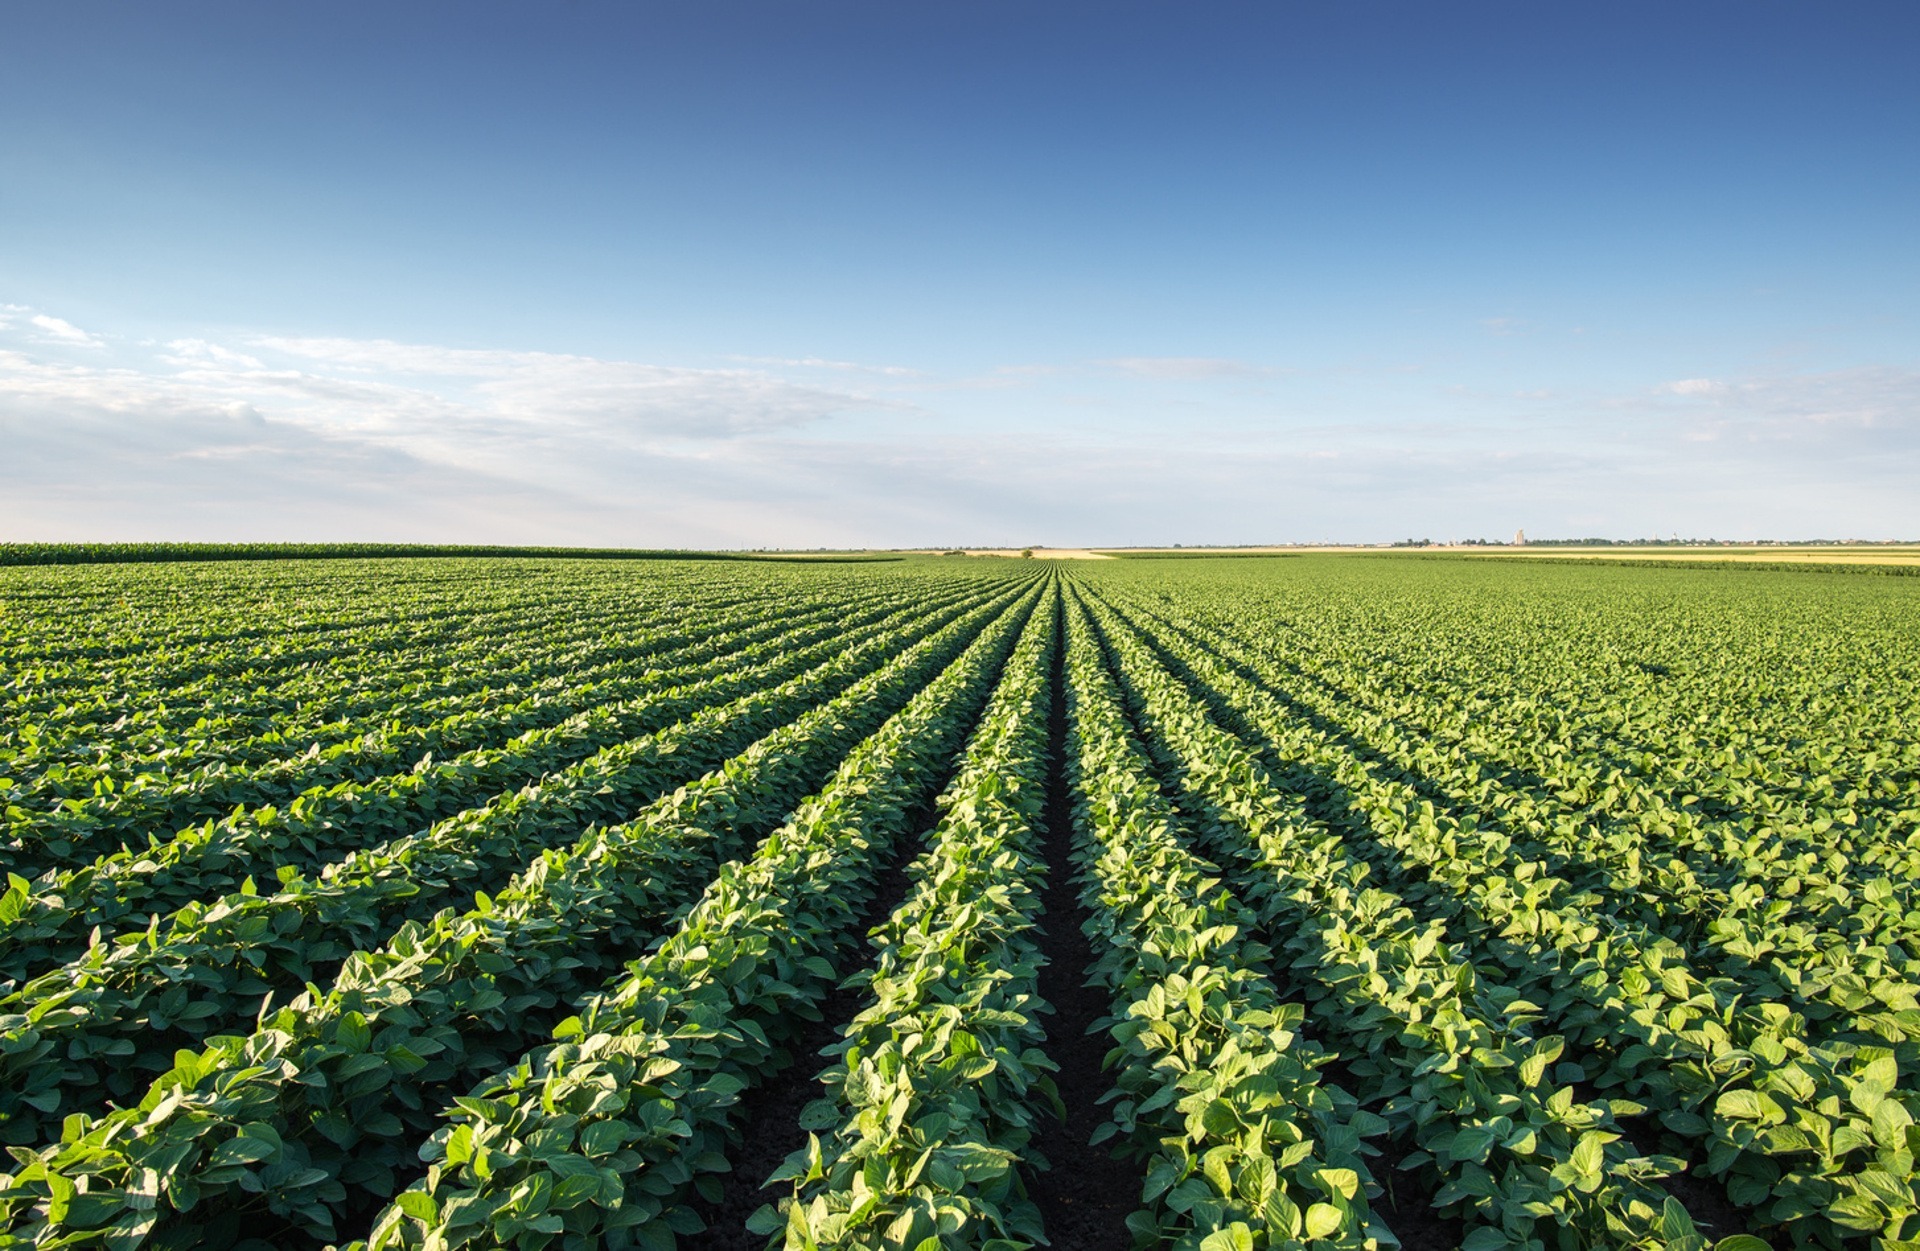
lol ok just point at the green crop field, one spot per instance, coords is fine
(446, 901)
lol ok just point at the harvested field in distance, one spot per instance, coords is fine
(1864, 554)
(1330, 901)
(1840, 554)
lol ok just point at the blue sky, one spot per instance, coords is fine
(777, 274)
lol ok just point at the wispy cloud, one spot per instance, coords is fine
(200, 353)
(413, 385)
(58, 330)
(1822, 406)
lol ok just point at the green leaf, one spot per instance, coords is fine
(419, 1205)
(1855, 1212)
(1485, 1238)
(1322, 1220)
(603, 1138)
(354, 1033)
(61, 1192)
(1219, 1118)
(239, 1151)
(1589, 1160)
(129, 1231)
(1890, 1121)
(1236, 1237)
(1675, 1222)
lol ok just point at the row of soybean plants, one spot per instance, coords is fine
(52, 919)
(1814, 1137)
(1822, 1144)
(306, 1126)
(101, 1025)
(149, 706)
(466, 740)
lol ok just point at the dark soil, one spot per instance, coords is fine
(1087, 1194)
(1705, 1199)
(1405, 1205)
(1405, 1202)
(1713, 1213)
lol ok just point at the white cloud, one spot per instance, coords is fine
(622, 400)
(1693, 386)
(57, 330)
(194, 353)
